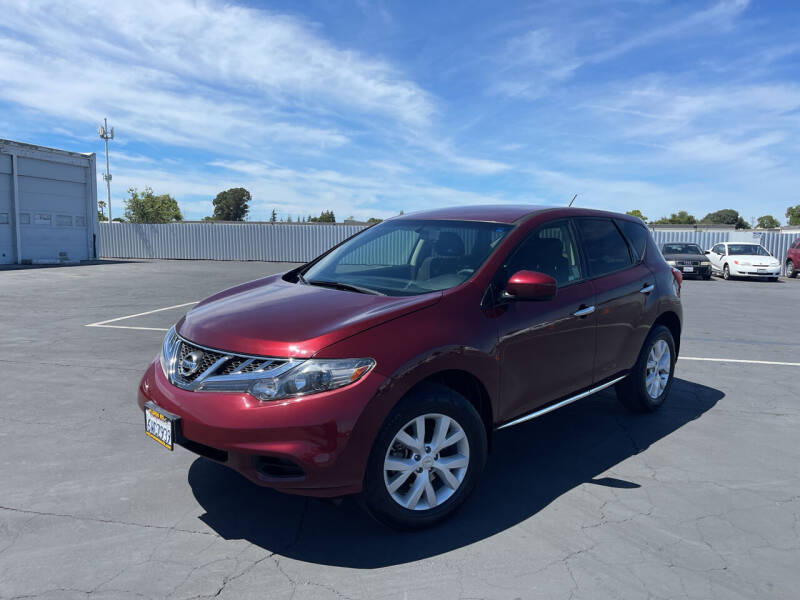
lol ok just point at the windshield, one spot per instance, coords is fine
(408, 257)
(753, 249)
(681, 249)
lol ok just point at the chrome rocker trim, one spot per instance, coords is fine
(557, 405)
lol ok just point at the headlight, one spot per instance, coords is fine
(311, 377)
(671, 263)
(167, 356)
(705, 263)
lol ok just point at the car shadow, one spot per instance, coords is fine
(530, 466)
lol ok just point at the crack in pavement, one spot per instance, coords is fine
(107, 521)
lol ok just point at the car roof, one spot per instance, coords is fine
(503, 213)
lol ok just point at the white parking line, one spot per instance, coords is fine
(736, 360)
(149, 312)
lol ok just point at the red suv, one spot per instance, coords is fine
(793, 259)
(384, 366)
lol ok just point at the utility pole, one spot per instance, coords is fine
(107, 134)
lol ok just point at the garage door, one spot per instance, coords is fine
(53, 207)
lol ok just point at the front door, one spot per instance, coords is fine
(546, 347)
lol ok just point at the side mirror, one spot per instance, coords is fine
(531, 285)
(707, 252)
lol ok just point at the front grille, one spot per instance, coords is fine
(206, 362)
(196, 367)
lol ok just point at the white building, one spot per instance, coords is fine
(48, 205)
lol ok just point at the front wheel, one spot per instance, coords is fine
(649, 382)
(726, 272)
(426, 459)
(790, 270)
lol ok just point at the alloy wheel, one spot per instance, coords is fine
(426, 462)
(790, 269)
(657, 369)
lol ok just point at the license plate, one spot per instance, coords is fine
(688, 269)
(160, 425)
(762, 270)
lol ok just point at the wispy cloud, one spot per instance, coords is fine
(541, 58)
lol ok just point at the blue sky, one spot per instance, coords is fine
(371, 108)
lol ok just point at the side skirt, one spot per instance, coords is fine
(557, 405)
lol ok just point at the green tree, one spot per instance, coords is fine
(288, 218)
(149, 208)
(374, 220)
(273, 217)
(679, 218)
(326, 216)
(793, 215)
(232, 205)
(742, 224)
(726, 216)
(768, 222)
(101, 217)
(637, 213)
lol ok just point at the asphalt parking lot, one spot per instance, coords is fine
(701, 500)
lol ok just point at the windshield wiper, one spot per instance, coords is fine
(344, 286)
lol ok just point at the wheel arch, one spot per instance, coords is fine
(671, 321)
(469, 386)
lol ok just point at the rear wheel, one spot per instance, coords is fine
(790, 270)
(649, 383)
(426, 459)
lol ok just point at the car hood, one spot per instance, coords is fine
(272, 317)
(755, 258)
(700, 257)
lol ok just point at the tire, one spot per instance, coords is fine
(636, 392)
(773, 279)
(791, 272)
(707, 276)
(726, 272)
(435, 404)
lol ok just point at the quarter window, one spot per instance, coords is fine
(637, 236)
(605, 249)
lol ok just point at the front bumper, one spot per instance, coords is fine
(696, 271)
(316, 445)
(748, 271)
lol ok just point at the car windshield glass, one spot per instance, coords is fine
(752, 249)
(681, 249)
(409, 257)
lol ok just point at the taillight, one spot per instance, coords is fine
(677, 280)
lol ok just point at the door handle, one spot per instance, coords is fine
(648, 288)
(583, 312)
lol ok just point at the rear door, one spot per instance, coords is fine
(623, 286)
(546, 347)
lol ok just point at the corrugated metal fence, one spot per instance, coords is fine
(300, 243)
(776, 242)
(221, 241)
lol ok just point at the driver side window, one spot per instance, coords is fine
(549, 249)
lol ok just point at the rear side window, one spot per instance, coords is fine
(605, 249)
(637, 237)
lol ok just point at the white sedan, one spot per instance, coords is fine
(736, 259)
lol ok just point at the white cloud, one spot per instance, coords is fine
(538, 60)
